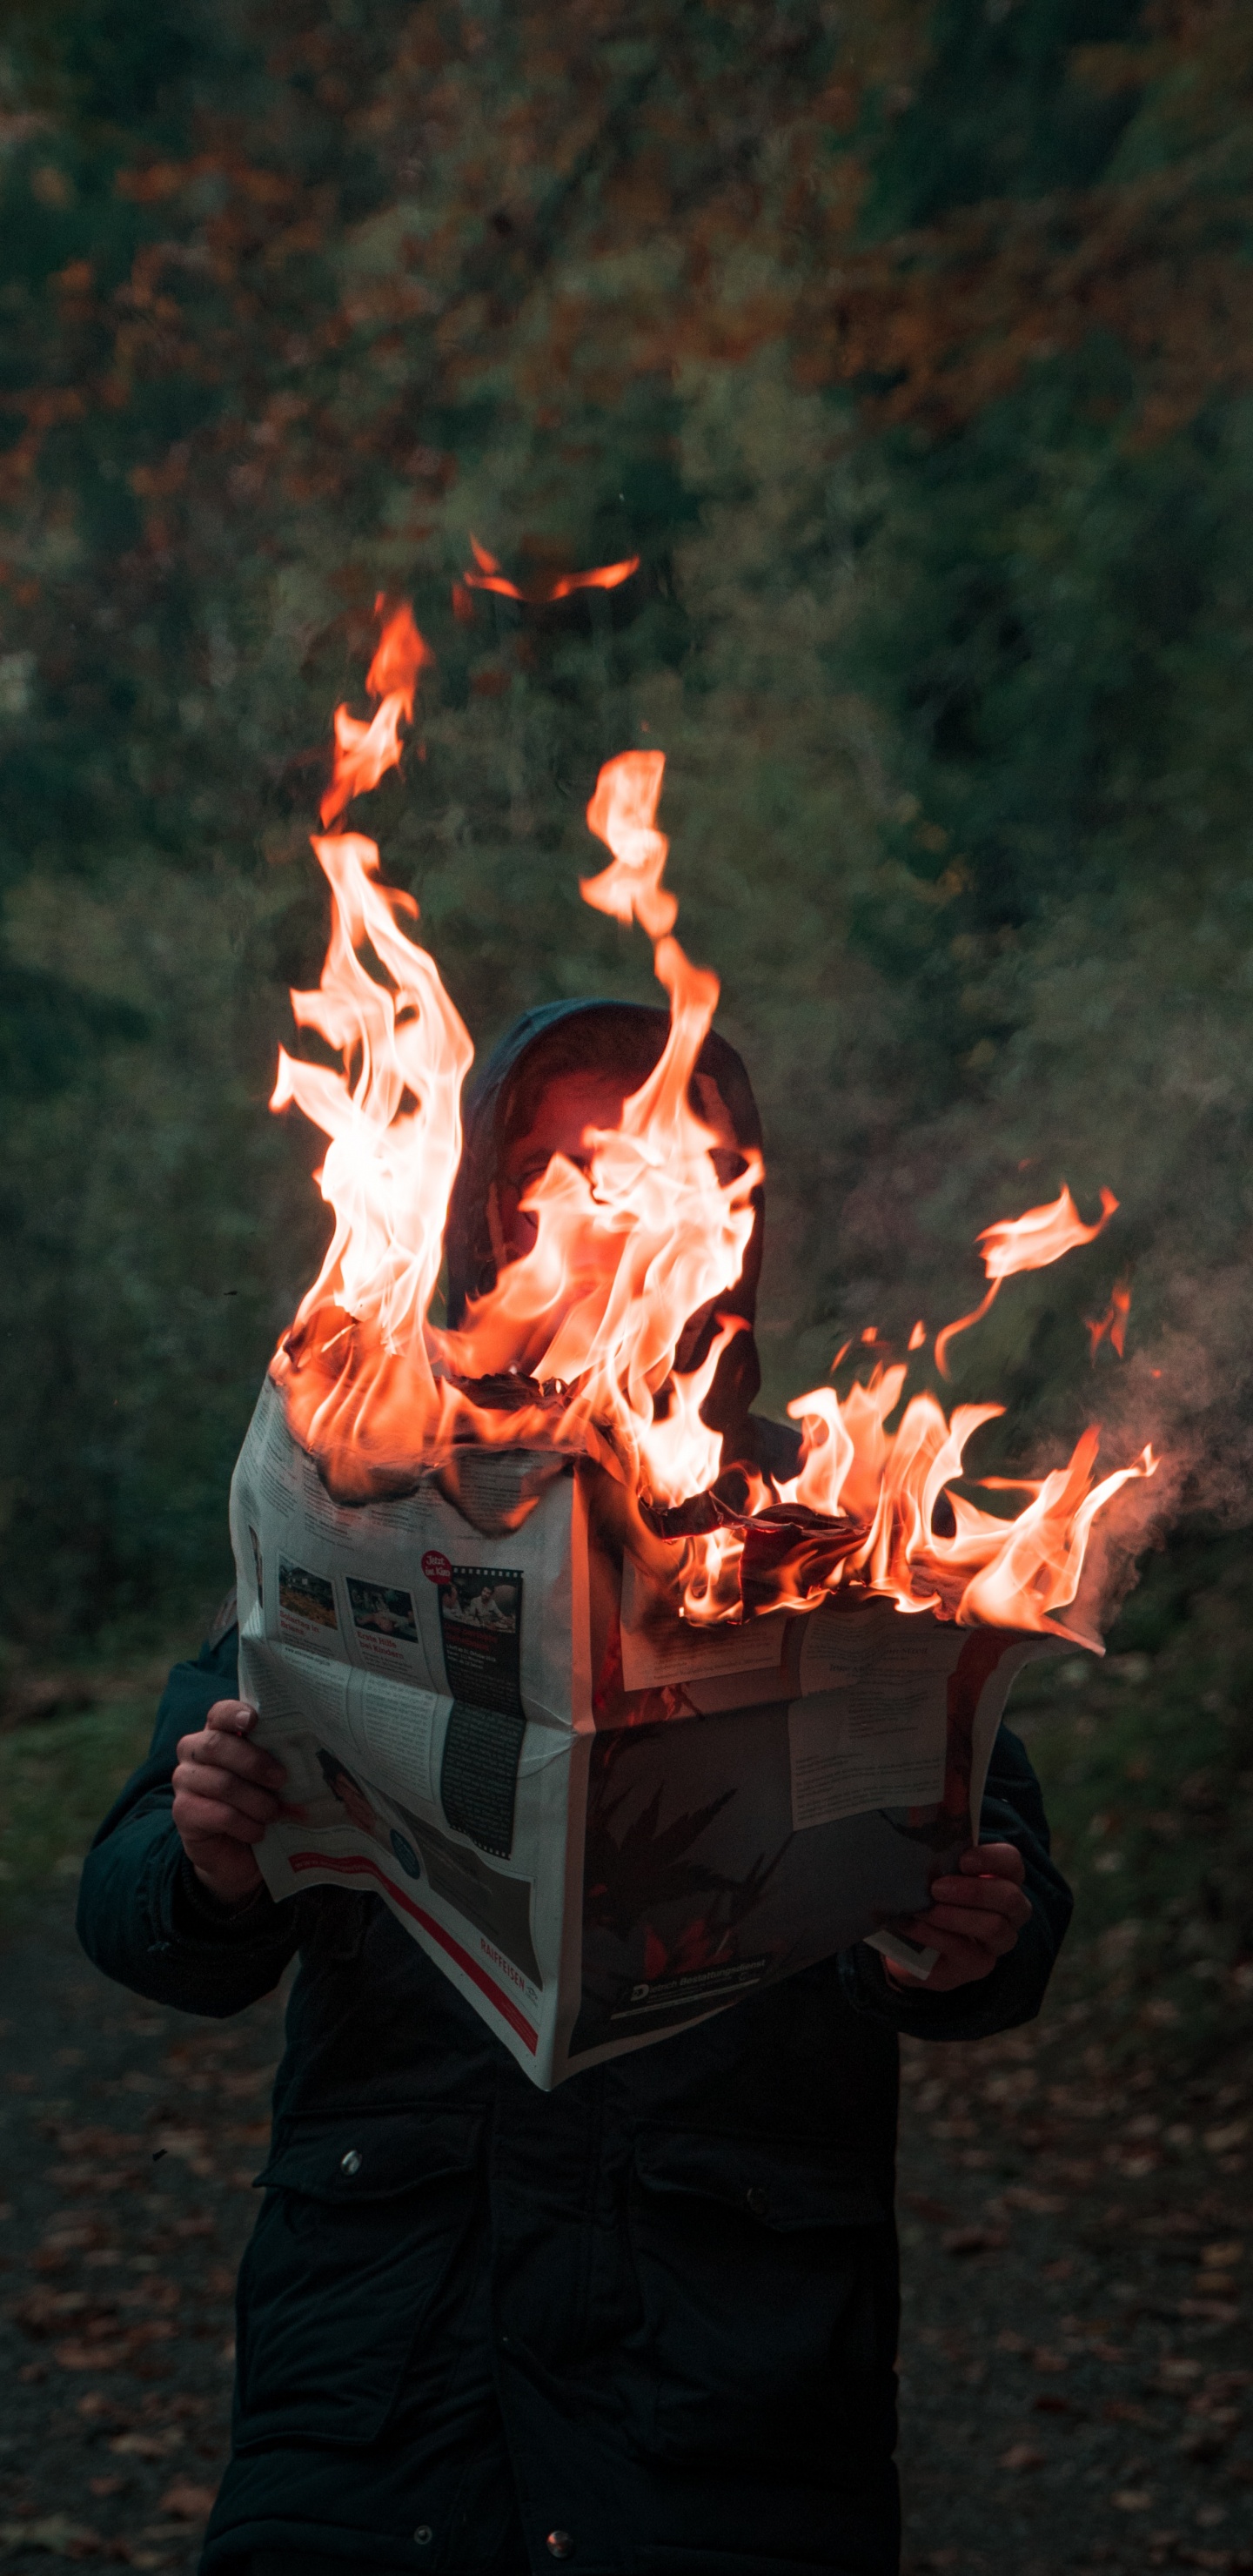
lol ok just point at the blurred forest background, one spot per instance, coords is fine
(909, 344)
(911, 349)
(908, 348)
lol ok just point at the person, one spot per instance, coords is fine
(645, 2323)
(484, 1610)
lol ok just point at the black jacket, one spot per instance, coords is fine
(673, 2280)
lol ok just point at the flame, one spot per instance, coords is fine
(893, 1492)
(621, 814)
(633, 1240)
(548, 587)
(1028, 1242)
(393, 1119)
(364, 751)
(1113, 1323)
(628, 1251)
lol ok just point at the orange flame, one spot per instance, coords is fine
(1029, 1242)
(648, 1236)
(364, 751)
(625, 1252)
(394, 1127)
(981, 1569)
(1113, 1323)
(548, 586)
(621, 814)
(631, 1242)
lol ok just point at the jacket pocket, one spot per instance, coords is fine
(767, 2281)
(363, 2218)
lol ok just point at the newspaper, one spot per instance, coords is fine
(600, 1822)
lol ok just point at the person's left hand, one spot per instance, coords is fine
(974, 1918)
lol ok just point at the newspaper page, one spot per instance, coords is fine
(599, 1822)
(404, 1672)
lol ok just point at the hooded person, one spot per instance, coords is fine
(565, 1067)
(645, 2323)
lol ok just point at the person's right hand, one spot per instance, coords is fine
(226, 1791)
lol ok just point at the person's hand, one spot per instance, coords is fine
(974, 1918)
(226, 1791)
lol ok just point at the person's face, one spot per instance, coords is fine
(570, 1104)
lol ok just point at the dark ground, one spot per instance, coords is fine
(1076, 2359)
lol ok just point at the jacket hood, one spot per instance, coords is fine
(626, 1038)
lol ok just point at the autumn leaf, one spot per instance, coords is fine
(189, 2502)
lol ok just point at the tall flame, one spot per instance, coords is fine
(632, 1241)
(355, 1367)
(629, 1250)
(626, 1250)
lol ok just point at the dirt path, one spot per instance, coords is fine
(1076, 2375)
(1077, 2367)
(130, 2139)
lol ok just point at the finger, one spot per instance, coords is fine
(210, 1819)
(261, 1804)
(995, 1860)
(231, 1717)
(235, 1753)
(985, 1895)
(243, 1762)
(983, 1931)
(197, 1780)
(957, 1923)
(222, 1752)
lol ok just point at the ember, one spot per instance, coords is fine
(583, 1329)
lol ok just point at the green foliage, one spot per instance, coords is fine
(1147, 1766)
(56, 1782)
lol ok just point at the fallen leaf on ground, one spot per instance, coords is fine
(1022, 2456)
(974, 2240)
(55, 2533)
(90, 2356)
(191, 2503)
(1131, 2499)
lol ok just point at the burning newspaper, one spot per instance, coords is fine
(619, 1725)
(600, 1824)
